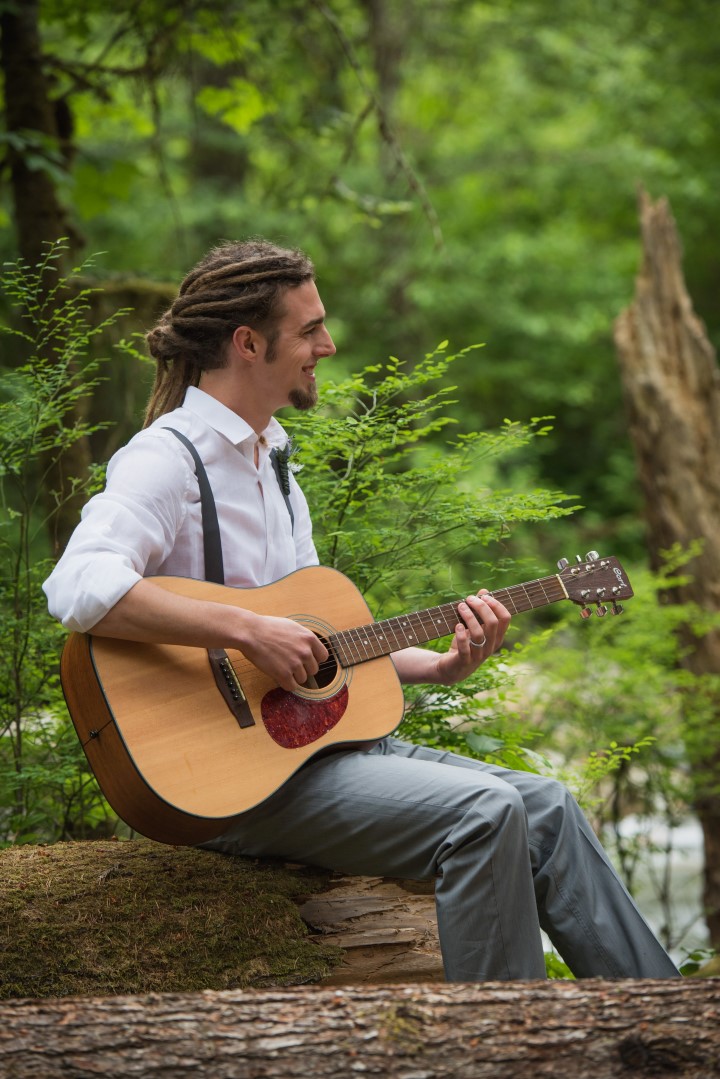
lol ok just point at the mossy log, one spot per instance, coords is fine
(116, 917)
(584, 1029)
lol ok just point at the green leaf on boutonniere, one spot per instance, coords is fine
(280, 458)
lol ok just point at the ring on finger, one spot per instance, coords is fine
(478, 644)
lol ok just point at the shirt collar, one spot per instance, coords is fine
(227, 423)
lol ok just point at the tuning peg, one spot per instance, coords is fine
(601, 610)
(585, 612)
(617, 608)
(563, 564)
(592, 556)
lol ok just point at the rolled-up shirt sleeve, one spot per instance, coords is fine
(125, 532)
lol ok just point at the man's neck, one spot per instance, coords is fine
(238, 399)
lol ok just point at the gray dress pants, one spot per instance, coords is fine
(510, 852)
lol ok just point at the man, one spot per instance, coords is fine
(510, 851)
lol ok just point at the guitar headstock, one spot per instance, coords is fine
(598, 581)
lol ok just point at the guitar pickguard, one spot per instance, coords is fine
(293, 721)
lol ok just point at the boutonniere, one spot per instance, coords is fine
(282, 464)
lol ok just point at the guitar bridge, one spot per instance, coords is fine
(229, 685)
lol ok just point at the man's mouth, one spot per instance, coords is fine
(310, 370)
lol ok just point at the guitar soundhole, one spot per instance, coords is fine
(327, 672)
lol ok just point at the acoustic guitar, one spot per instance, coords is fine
(182, 740)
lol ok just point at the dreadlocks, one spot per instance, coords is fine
(236, 284)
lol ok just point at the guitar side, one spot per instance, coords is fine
(111, 760)
(168, 753)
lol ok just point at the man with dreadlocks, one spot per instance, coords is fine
(510, 851)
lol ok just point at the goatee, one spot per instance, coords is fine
(303, 400)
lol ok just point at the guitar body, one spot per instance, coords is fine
(170, 755)
(183, 740)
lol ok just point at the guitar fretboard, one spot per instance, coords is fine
(353, 646)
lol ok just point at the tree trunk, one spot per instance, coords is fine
(30, 117)
(591, 1028)
(37, 149)
(672, 391)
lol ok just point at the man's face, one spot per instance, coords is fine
(300, 340)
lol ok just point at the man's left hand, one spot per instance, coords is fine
(481, 632)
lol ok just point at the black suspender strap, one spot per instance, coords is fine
(220, 665)
(212, 545)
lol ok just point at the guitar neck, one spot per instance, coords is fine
(353, 646)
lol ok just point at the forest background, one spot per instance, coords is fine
(460, 172)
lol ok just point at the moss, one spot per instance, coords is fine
(137, 917)
(401, 1029)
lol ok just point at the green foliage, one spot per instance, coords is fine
(401, 515)
(696, 960)
(517, 132)
(461, 165)
(613, 709)
(396, 509)
(556, 968)
(45, 790)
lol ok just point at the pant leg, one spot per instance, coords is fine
(582, 904)
(510, 851)
(386, 814)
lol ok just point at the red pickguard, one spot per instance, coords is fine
(293, 721)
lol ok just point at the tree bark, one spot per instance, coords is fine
(583, 1029)
(387, 930)
(36, 149)
(29, 113)
(671, 386)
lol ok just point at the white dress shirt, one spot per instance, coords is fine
(148, 522)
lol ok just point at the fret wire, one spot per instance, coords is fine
(388, 622)
(382, 645)
(507, 599)
(368, 642)
(360, 638)
(336, 649)
(354, 653)
(376, 639)
(534, 592)
(431, 622)
(543, 589)
(401, 621)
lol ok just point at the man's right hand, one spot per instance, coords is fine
(286, 651)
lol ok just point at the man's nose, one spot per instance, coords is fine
(328, 345)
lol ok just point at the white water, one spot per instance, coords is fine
(688, 929)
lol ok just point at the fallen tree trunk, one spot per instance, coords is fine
(531, 1029)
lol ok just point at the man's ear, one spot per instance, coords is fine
(248, 343)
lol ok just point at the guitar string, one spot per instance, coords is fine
(360, 638)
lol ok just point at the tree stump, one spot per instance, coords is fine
(588, 1030)
(671, 384)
